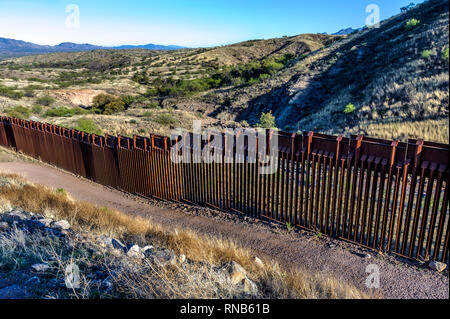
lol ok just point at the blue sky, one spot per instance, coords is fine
(190, 23)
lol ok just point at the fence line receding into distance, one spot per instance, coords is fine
(386, 195)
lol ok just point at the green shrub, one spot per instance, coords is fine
(114, 107)
(349, 108)
(65, 112)
(29, 93)
(411, 24)
(267, 120)
(108, 104)
(132, 122)
(10, 92)
(164, 119)
(244, 123)
(426, 54)
(88, 126)
(61, 191)
(153, 105)
(445, 54)
(19, 112)
(147, 114)
(128, 100)
(37, 109)
(45, 100)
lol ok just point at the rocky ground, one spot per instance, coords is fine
(38, 256)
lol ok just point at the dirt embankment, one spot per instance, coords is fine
(82, 98)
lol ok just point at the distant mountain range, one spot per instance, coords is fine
(344, 31)
(15, 48)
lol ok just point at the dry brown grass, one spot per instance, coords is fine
(273, 281)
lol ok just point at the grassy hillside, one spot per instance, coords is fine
(390, 82)
(396, 77)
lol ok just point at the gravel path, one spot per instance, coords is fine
(398, 279)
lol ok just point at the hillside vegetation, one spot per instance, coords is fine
(155, 85)
(396, 77)
(388, 82)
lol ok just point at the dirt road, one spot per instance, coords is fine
(304, 250)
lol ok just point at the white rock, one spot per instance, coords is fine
(250, 287)
(62, 224)
(4, 225)
(135, 252)
(45, 222)
(258, 262)
(40, 267)
(182, 258)
(237, 272)
(438, 266)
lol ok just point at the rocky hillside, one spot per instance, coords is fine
(396, 77)
(52, 246)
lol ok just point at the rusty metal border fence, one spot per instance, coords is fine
(389, 196)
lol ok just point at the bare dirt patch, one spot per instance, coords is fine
(83, 97)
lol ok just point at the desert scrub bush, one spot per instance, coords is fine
(128, 100)
(45, 100)
(411, 24)
(10, 92)
(445, 54)
(65, 112)
(29, 93)
(164, 119)
(19, 112)
(244, 123)
(108, 104)
(37, 109)
(349, 108)
(61, 191)
(88, 126)
(153, 105)
(426, 54)
(267, 120)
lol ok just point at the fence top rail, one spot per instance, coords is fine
(343, 147)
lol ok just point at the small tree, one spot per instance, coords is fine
(408, 7)
(267, 120)
(426, 54)
(411, 24)
(349, 108)
(45, 100)
(108, 104)
(114, 106)
(445, 54)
